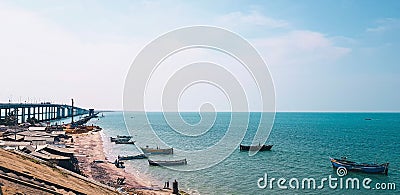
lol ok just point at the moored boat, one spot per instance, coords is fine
(157, 150)
(167, 162)
(362, 167)
(124, 136)
(121, 138)
(124, 141)
(255, 148)
(129, 157)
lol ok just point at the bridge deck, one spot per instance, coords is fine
(41, 112)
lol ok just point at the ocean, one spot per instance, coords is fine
(303, 143)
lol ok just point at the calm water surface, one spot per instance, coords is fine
(303, 143)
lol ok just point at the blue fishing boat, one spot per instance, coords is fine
(362, 167)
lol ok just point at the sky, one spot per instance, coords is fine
(322, 55)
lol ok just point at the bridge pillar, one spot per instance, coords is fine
(23, 115)
(47, 113)
(29, 112)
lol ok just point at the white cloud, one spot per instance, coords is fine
(288, 46)
(242, 20)
(299, 48)
(58, 61)
(384, 25)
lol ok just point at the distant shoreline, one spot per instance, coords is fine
(89, 146)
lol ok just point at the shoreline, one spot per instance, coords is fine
(89, 147)
(145, 179)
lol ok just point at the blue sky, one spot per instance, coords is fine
(322, 55)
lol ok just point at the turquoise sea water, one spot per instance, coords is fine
(303, 143)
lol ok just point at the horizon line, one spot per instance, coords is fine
(300, 111)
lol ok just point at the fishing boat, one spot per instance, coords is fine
(362, 167)
(121, 138)
(113, 139)
(255, 148)
(124, 136)
(168, 162)
(129, 157)
(157, 150)
(124, 141)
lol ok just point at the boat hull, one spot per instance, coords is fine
(140, 156)
(361, 167)
(255, 148)
(121, 138)
(155, 151)
(168, 163)
(124, 142)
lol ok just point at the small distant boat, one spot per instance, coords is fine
(125, 141)
(255, 148)
(139, 156)
(368, 119)
(168, 162)
(362, 167)
(123, 138)
(157, 150)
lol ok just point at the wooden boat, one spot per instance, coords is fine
(121, 138)
(255, 148)
(362, 167)
(167, 162)
(124, 137)
(124, 142)
(157, 150)
(139, 156)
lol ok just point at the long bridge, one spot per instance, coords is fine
(41, 112)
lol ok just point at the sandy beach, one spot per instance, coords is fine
(89, 147)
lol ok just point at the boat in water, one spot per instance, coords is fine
(121, 138)
(255, 148)
(125, 141)
(130, 157)
(167, 162)
(362, 167)
(154, 151)
(124, 137)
